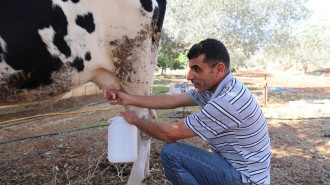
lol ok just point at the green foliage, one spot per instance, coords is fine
(260, 28)
(256, 33)
(233, 68)
(311, 48)
(169, 54)
(182, 59)
(307, 44)
(242, 24)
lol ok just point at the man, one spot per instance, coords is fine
(231, 120)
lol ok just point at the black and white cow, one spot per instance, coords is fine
(49, 47)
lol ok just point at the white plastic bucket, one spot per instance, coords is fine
(122, 141)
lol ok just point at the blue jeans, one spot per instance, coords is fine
(185, 164)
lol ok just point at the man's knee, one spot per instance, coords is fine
(168, 149)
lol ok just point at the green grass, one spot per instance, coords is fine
(159, 89)
(161, 83)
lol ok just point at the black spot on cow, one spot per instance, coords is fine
(61, 31)
(88, 56)
(78, 63)
(1, 53)
(158, 19)
(20, 22)
(74, 1)
(147, 5)
(86, 22)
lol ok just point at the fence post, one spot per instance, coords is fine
(265, 90)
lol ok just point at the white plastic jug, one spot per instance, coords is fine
(122, 141)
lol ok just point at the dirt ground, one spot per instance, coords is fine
(71, 148)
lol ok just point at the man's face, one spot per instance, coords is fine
(202, 75)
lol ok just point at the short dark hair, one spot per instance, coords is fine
(214, 50)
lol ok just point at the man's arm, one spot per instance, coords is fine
(166, 132)
(152, 102)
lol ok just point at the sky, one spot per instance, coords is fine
(321, 8)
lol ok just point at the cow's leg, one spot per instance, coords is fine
(140, 168)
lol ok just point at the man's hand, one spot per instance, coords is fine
(163, 131)
(130, 116)
(116, 97)
(162, 101)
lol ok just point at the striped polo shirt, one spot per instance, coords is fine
(235, 127)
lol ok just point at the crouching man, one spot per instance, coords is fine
(230, 120)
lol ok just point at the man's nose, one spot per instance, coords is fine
(190, 75)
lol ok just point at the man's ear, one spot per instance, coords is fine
(220, 68)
